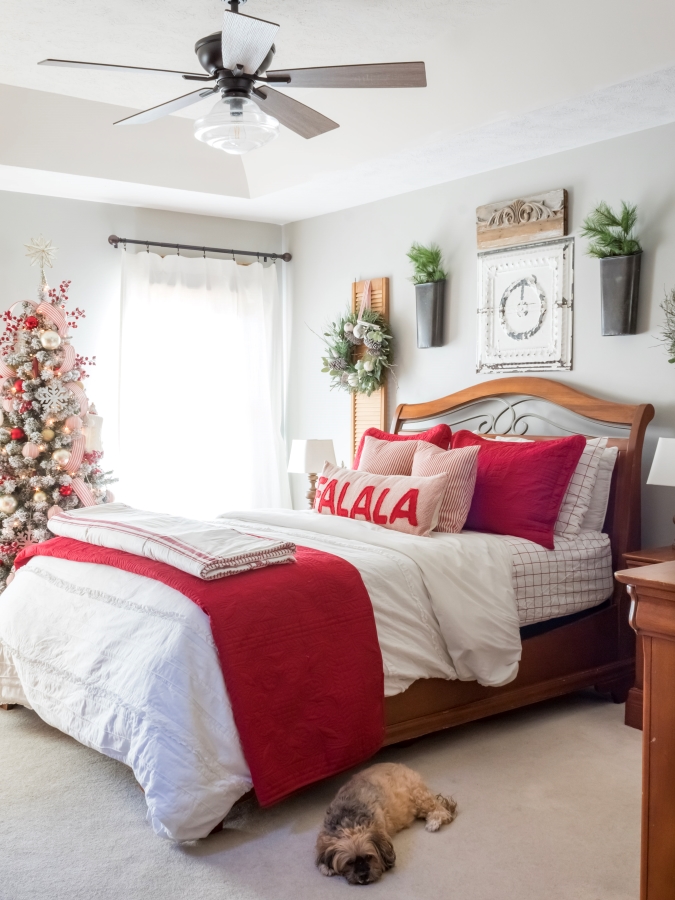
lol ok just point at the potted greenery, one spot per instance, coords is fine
(615, 245)
(429, 280)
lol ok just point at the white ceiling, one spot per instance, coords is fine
(508, 80)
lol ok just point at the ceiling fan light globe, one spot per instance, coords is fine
(236, 125)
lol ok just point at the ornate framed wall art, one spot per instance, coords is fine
(525, 297)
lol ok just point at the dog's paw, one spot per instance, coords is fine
(433, 824)
(325, 870)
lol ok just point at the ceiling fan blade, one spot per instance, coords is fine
(164, 109)
(73, 64)
(246, 41)
(377, 75)
(301, 119)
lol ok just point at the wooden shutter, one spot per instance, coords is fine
(369, 412)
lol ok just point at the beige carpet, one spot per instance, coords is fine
(549, 802)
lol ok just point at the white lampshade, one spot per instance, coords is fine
(663, 466)
(309, 456)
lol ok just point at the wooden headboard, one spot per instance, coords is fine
(512, 417)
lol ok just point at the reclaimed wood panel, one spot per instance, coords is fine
(525, 220)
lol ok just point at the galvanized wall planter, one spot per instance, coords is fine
(430, 302)
(525, 299)
(619, 286)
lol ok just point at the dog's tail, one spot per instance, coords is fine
(449, 804)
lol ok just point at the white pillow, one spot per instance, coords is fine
(597, 509)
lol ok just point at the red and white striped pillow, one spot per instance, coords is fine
(461, 466)
(387, 457)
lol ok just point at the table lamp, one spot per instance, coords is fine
(308, 457)
(663, 467)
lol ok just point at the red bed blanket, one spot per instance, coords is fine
(299, 653)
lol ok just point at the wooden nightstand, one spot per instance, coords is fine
(633, 560)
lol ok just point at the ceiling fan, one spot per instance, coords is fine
(237, 61)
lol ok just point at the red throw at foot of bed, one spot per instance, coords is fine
(299, 653)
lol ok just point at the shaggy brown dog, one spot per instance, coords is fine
(355, 840)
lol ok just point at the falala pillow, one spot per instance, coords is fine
(520, 487)
(439, 435)
(399, 502)
(387, 457)
(461, 466)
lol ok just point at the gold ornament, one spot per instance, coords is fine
(50, 340)
(61, 457)
(8, 504)
(47, 434)
(40, 497)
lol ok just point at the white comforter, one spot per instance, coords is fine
(128, 666)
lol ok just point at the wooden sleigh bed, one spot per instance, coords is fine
(595, 648)
(591, 648)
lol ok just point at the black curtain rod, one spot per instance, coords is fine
(116, 241)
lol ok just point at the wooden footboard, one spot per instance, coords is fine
(572, 656)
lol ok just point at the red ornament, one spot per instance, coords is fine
(26, 405)
(31, 322)
(36, 367)
(65, 490)
(17, 434)
(18, 386)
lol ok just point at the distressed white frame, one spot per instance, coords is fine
(510, 336)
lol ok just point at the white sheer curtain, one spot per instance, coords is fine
(201, 388)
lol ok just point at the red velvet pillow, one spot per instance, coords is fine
(520, 487)
(439, 435)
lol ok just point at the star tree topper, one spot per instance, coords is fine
(41, 253)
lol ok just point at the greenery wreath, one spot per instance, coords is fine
(359, 352)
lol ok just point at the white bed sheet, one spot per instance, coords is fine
(128, 666)
(576, 575)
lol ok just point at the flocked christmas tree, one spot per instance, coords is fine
(50, 456)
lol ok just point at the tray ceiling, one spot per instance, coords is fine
(490, 65)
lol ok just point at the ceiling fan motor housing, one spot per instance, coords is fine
(210, 55)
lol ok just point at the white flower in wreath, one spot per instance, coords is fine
(353, 379)
(359, 330)
(348, 326)
(368, 365)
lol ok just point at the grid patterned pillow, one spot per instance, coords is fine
(461, 466)
(387, 457)
(580, 489)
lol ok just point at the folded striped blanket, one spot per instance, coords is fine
(206, 549)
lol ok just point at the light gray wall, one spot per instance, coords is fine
(80, 230)
(330, 251)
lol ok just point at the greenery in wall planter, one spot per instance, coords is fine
(429, 279)
(613, 241)
(668, 330)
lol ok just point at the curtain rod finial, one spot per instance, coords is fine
(287, 257)
(114, 240)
